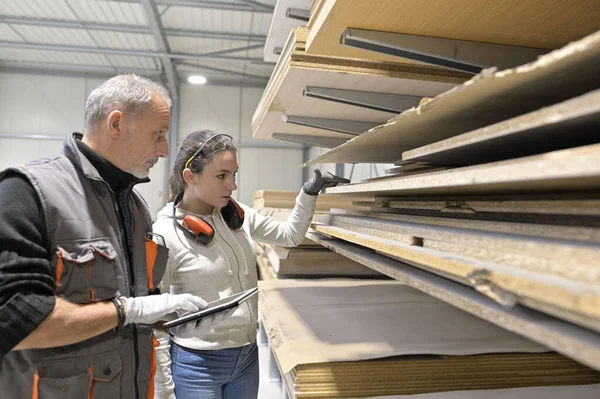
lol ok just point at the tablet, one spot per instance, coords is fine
(214, 307)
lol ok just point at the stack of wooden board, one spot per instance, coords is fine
(296, 70)
(499, 192)
(307, 260)
(286, 199)
(360, 338)
(547, 24)
(492, 97)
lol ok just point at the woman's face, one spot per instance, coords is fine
(215, 184)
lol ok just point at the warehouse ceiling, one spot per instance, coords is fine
(222, 40)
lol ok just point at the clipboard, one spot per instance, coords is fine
(214, 307)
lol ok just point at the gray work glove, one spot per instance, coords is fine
(319, 182)
(200, 326)
(152, 308)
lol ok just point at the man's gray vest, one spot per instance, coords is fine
(90, 264)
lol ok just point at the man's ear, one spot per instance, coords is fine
(188, 176)
(115, 125)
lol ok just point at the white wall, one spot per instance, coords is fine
(53, 106)
(50, 105)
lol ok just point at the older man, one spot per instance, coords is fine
(77, 260)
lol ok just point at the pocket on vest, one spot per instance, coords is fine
(82, 377)
(85, 271)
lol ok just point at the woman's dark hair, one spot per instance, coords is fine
(190, 145)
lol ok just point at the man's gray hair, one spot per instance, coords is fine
(130, 94)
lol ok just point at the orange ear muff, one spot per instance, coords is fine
(233, 214)
(203, 232)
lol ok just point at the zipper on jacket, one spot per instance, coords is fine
(129, 268)
(238, 271)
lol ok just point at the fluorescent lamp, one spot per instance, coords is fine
(197, 80)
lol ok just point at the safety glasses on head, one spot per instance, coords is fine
(199, 150)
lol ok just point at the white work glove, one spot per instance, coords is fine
(200, 326)
(152, 308)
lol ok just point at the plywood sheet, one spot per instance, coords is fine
(563, 232)
(488, 98)
(561, 258)
(542, 205)
(310, 321)
(286, 199)
(420, 374)
(530, 23)
(509, 285)
(568, 124)
(573, 341)
(576, 169)
(569, 391)
(289, 99)
(281, 25)
(311, 263)
(295, 70)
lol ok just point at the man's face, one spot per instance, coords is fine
(215, 184)
(146, 139)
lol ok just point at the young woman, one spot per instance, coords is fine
(211, 255)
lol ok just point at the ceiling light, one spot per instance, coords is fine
(197, 80)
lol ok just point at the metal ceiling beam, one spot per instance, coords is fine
(135, 53)
(234, 50)
(226, 71)
(234, 83)
(31, 137)
(258, 5)
(100, 72)
(85, 71)
(57, 23)
(216, 35)
(161, 41)
(215, 5)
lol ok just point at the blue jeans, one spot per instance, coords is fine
(215, 374)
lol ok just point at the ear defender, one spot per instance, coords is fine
(200, 230)
(233, 214)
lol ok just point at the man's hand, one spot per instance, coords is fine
(153, 308)
(319, 182)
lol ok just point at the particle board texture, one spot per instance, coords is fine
(565, 125)
(318, 331)
(490, 97)
(295, 70)
(536, 227)
(569, 170)
(500, 206)
(511, 269)
(564, 337)
(529, 23)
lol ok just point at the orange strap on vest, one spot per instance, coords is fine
(155, 344)
(151, 253)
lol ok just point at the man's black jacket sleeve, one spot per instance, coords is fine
(26, 281)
